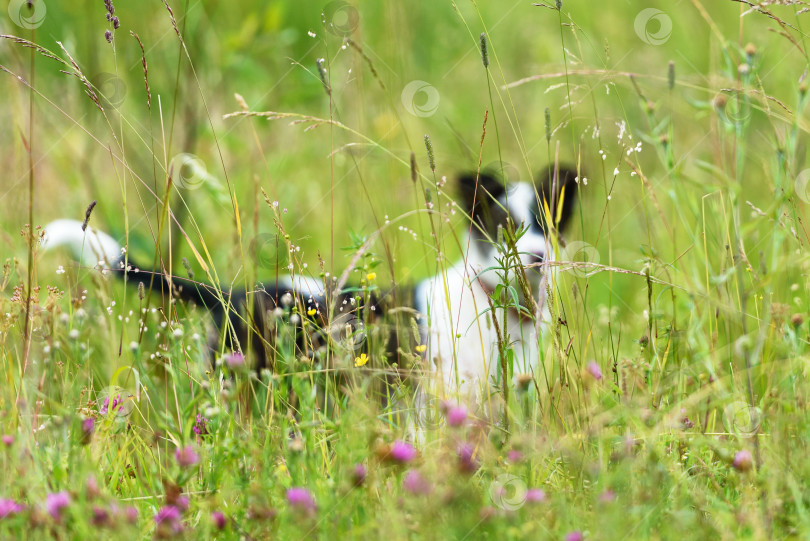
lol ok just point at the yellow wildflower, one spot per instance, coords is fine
(371, 276)
(420, 348)
(361, 360)
(311, 312)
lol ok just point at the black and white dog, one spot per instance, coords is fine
(464, 342)
(463, 333)
(290, 299)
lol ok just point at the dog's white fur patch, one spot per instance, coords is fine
(462, 341)
(463, 346)
(305, 286)
(89, 247)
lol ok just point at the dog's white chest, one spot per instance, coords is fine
(462, 339)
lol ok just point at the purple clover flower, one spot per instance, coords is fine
(467, 460)
(595, 370)
(414, 483)
(55, 502)
(100, 516)
(168, 518)
(91, 489)
(359, 473)
(9, 507)
(88, 427)
(167, 513)
(608, 496)
(514, 456)
(186, 456)
(219, 520)
(300, 499)
(235, 360)
(743, 461)
(117, 402)
(535, 495)
(200, 425)
(182, 503)
(402, 452)
(456, 416)
(131, 514)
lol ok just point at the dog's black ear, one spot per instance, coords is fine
(559, 188)
(489, 187)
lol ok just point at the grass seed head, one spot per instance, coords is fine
(321, 63)
(750, 50)
(431, 156)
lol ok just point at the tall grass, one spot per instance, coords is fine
(670, 396)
